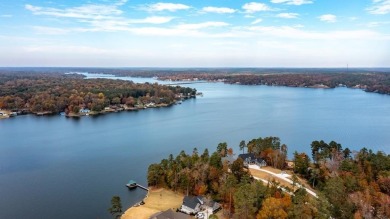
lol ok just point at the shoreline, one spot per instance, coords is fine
(110, 109)
(156, 200)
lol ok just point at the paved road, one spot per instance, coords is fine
(282, 177)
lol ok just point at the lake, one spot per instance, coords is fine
(58, 167)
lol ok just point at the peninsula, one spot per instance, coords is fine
(44, 93)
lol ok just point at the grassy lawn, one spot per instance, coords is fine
(158, 200)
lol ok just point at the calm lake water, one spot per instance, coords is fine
(57, 167)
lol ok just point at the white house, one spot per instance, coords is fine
(191, 205)
(195, 204)
(250, 159)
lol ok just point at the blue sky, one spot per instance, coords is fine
(213, 33)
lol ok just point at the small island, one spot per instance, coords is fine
(44, 93)
(262, 183)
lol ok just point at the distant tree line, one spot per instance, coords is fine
(370, 82)
(39, 92)
(348, 184)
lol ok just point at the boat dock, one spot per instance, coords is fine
(132, 184)
(142, 187)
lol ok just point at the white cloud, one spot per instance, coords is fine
(167, 7)
(219, 10)
(377, 24)
(121, 2)
(202, 25)
(104, 18)
(289, 32)
(151, 20)
(287, 15)
(68, 49)
(330, 18)
(92, 11)
(50, 30)
(257, 21)
(253, 7)
(379, 7)
(6, 15)
(292, 2)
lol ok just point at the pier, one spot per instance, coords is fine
(142, 187)
(132, 184)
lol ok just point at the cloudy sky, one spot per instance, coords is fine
(207, 33)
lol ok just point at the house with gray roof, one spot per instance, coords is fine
(169, 214)
(251, 159)
(194, 204)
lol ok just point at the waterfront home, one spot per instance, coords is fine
(191, 205)
(150, 104)
(169, 214)
(84, 110)
(194, 204)
(251, 159)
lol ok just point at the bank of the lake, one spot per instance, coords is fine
(57, 167)
(157, 200)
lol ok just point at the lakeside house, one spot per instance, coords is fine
(150, 104)
(251, 159)
(194, 204)
(169, 214)
(84, 110)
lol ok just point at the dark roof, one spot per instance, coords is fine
(191, 201)
(245, 156)
(250, 156)
(169, 214)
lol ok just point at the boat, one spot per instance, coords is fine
(131, 184)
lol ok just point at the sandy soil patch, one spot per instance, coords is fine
(269, 177)
(157, 200)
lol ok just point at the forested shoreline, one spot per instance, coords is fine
(349, 184)
(49, 93)
(375, 80)
(370, 82)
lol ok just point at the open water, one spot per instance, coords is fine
(58, 167)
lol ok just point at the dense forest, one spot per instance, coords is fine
(371, 79)
(349, 184)
(52, 93)
(370, 82)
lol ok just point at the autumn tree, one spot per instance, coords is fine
(275, 208)
(222, 149)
